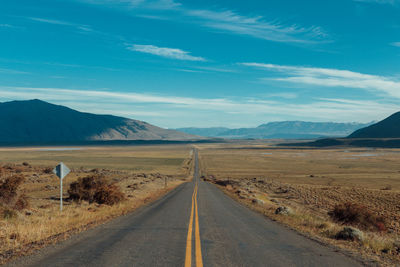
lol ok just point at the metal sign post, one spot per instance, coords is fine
(61, 170)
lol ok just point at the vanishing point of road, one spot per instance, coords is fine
(193, 225)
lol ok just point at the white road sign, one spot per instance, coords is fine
(61, 170)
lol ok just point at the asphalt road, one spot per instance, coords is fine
(194, 225)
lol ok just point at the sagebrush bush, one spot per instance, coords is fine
(7, 213)
(9, 188)
(21, 203)
(358, 215)
(9, 193)
(11, 198)
(47, 170)
(96, 189)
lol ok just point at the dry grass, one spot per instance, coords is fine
(166, 159)
(43, 223)
(312, 183)
(360, 168)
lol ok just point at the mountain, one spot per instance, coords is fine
(282, 129)
(38, 121)
(387, 128)
(208, 132)
(385, 133)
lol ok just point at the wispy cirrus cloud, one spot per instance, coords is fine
(221, 20)
(81, 27)
(325, 77)
(391, 2)
(396, 44)
(7, 26)
(11, 71)
(173, 53)
(284, 95)
(257, 26)
(152, 4)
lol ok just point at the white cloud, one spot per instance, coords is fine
(216, 69)
(173, 53)
(51, 21)
(222, 20)
(10, 71)
(284, 95)
(396, 44)
(256, 26)
(204, 69)
(9, 26)
(391, 2)
(333, 78)
(163, 4)
(81, 27)
(190, 70)
(153, 4)
(71, 94)
(6, 26)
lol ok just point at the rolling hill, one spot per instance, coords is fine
(281, 129)
(35, 121)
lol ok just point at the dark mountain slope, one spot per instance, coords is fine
(387, 128)
(39, 121)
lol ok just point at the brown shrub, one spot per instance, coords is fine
(8, 213)
(10, 197)
(95, 189)
(18, 169)
(3, 170)
(21, 203)
(9, 189)
(358, 215)
(388, 187)
(47, 170)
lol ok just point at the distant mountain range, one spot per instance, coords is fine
(282, 129)
(36, 121)
(206, 132)
(385, 133)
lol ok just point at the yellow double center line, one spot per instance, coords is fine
(188, 259)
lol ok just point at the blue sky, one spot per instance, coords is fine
(205, 63)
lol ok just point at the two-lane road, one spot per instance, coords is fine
(193, 225)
